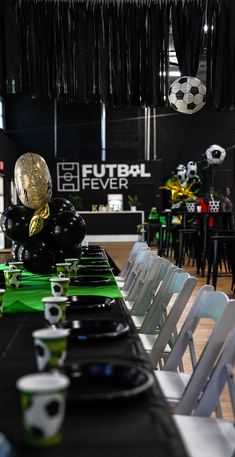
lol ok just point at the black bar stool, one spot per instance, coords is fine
(188, 242)
(221, 247)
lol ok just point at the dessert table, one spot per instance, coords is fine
(128, 425)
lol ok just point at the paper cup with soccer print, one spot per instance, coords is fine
(54, 309)
(15, 265)
(63, 269)
(73, 265)
(59, 286)
(12, 278)
(50, 347)
(42, 397)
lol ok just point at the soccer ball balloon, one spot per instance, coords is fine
(191, 169)
(215, 154)
(187, 94)
(180, 173)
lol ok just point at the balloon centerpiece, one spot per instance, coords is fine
(43, 229)
(184, 185)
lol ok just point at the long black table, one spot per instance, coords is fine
(133, 428)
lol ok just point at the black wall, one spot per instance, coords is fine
(180, 137)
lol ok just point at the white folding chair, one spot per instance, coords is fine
(149, 287)
(141, 308)
(160, 344)
(161, 320)
(138, 245)
(205, 436)
(144, 269)
(182, 390)
(133, 270)
(168, 291)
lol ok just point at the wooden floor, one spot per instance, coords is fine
(119, 252)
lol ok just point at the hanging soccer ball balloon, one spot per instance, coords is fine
(187, 94)
(215, 154)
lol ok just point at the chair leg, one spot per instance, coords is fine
(181, 249)
(215, 264)
(210, 260)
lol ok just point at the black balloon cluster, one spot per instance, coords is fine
(60, 237)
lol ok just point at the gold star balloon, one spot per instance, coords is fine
(178, 192)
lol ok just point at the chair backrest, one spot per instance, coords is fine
(168, 323)
(140, 260)
(207, 304)
(162, 299)
(157, 281)
(207, 359)
(142, 275)
(138, 245)
(222, 374)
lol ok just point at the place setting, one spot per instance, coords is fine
(105, 381)
(81, 330)
(86, 275)
(94, 269)
(94, 254)
(94, 262)
(94, 251)
(86, 330)
(92, 379)
(92, 248)
(93, 281)
(89, 303)
(75, 303)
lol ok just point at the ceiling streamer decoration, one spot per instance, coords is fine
(90, 51)
(221, 54)
(111, 52)
(115, 52)
(187, 29)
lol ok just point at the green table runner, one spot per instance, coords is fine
(34, 287)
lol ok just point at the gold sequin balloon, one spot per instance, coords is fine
(33, 181)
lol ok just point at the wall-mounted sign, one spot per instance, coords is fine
(95, 182)
(77, 177)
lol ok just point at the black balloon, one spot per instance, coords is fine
(15, 222)
(14, 250)
(65, 230)
(59, 205)
(36, 255)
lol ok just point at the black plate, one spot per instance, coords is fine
(91, 281)
(83, 330)
(94, 270)
(93, 246)
(93, 249)
(106, 381)
(89, 303)
(93, 262)
(94, 254)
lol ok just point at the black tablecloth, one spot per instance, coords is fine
(141, 427)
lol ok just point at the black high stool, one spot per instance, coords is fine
(165, 237)
(188, 241)
(152, 229)
(221, 248)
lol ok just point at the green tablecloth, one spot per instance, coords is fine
(34, 287)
